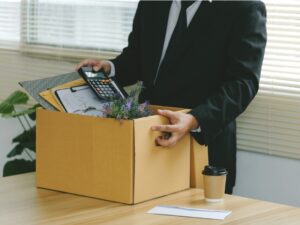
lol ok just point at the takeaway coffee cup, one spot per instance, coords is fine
(214, 179)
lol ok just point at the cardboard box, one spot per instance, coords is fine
(111, 160)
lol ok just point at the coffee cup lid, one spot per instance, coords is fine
(214, 171)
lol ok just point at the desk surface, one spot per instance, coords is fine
(22, 203)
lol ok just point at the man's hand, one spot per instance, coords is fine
(96, 64)
(180, 125)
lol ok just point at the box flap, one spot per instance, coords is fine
(199, 158)
(158, 171)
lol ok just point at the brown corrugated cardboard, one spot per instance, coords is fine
(165, 170)
(199, 158)
(109, 159)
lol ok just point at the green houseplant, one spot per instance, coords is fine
(24, 142)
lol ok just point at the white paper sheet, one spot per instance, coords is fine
(81, 100)
(189, 212)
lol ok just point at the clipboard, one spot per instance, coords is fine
(49, 96)
(80, 100)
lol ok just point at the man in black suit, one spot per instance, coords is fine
(202, 55)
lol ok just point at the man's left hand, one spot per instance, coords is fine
(180, 124)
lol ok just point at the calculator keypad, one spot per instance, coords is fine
(103, 88)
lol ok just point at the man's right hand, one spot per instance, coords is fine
(96, 64)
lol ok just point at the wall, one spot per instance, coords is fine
(268, 178)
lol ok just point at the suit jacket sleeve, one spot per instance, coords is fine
(127, 64)
(242, 75)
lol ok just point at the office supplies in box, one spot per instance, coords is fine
(48, 95)
(80, 100)
(35, 87)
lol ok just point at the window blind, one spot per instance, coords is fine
(82, 25)
(48, 37)
(10, 24)
(271, 124)
(51, 32)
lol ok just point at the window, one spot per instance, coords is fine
(55, 34)
(88, 28)
(95, 25)
(82, 24)
(9, 23)
(271, 124)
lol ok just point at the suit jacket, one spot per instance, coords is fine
(215, 73)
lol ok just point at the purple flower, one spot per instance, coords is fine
(129, 104)
(127, 108)
(143, 106)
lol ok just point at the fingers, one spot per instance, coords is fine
(166, 142)
(166, 113)
(97, 67)
(81, 64)
(170, 127)
(165, 128)
(176, 128)
(96, 64)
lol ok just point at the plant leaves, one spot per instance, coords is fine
(6, 108)
(17, 150)
(26, 139)
(17, 98)
(18, 166)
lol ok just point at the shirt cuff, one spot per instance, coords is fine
(197, 130)
(112, 69)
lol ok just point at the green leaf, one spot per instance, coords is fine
(18, 166)
(26, 139)
(18, 97)
(17, 150)
(6, 108)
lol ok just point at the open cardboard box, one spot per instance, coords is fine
(113, 160)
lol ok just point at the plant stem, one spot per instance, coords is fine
(28, 155)
(20, 121)
(27, 121)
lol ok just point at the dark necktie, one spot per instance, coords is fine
(179, 30)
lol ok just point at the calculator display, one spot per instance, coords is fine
(95, 75)
(104, 86)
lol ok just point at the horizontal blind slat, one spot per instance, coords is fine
(66, 28)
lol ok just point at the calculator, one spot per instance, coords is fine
(106, 88)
